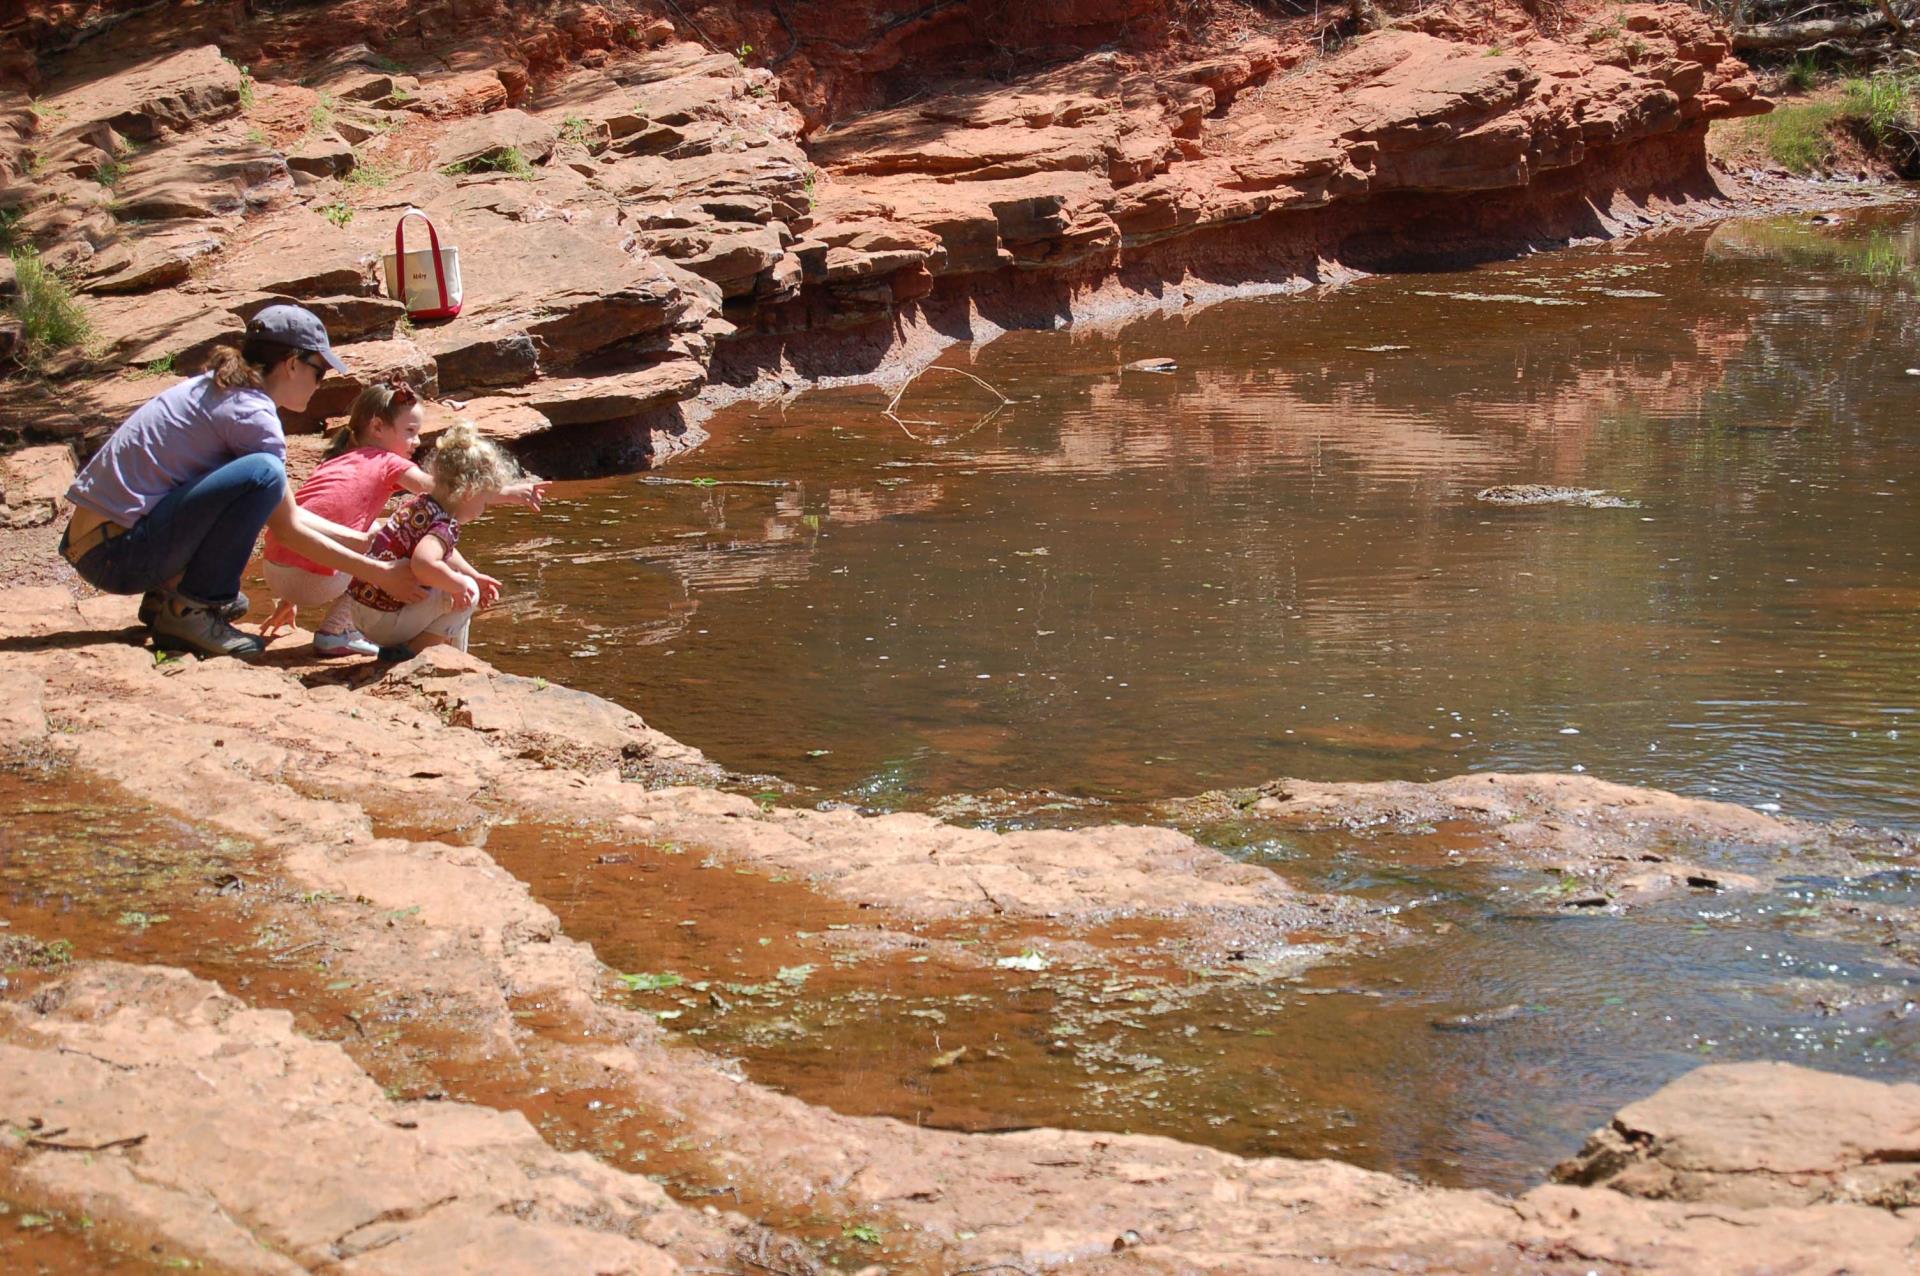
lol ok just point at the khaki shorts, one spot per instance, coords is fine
(437, 613)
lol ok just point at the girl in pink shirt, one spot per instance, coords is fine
(370, 461)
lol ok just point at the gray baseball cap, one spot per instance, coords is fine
(298, 327)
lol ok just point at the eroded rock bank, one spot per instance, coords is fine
(650, 216)
(312, 772)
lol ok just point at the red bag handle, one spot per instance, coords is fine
(400, 255)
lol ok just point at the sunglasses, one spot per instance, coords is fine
(319, 365)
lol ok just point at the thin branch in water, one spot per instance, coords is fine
(939, 367)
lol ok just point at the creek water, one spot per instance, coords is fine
(1272, 561)
(1125, 585)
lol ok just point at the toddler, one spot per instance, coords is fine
(468, 473)
(369, 461)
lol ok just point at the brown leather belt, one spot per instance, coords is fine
(73, 550)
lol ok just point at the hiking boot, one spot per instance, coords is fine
(183, 626)
(154, 599)
(234, 608)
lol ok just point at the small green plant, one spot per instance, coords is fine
(49, 316)
(321, 116)
(339, 212)
(507, 160)
(247, 96)
(575, 129)
(1804, 74)
(1493, 50)
(742, 53)
(161, 367)
(140, 921)
(258, 136)
(861, 1232)
(109, 171)
(365, 174)
(9, 229)
(646, 982)
(381, 62)
(36, 164)
(1883, 104)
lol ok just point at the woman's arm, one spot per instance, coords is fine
(354, 540)
(295, 528)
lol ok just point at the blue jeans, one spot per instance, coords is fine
(202, 531)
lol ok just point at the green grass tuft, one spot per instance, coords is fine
(49, 316)
(1797, 138)
(365, 174)
(507, 160)
(1883, 104)
(1804, 74)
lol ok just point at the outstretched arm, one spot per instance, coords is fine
(305, 533)
(527, 492)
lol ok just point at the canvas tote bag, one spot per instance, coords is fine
(427, 282)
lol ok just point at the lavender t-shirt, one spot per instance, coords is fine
(176, 437)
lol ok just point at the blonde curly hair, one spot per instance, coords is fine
(465, 462)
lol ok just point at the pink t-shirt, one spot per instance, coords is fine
(351, 490)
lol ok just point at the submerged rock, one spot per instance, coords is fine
(1478, 1020)
(1592, 498)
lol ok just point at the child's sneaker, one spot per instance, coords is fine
(349, 643)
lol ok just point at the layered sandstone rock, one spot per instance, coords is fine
(632, 206)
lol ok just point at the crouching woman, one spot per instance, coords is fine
(171, 506)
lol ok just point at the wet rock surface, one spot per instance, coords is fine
(295, 760)
(1601, 844)
(1540, 494)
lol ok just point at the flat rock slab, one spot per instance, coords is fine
(297, 253)
(1760, 1134)
(487, 135)
(193, 1101)
(170, 93)
(580, 400)
(33, 485)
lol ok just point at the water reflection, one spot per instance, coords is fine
(1271, 561)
